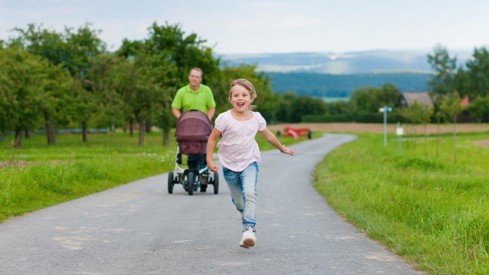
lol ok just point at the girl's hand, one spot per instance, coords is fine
(287, 151)
(212, 167)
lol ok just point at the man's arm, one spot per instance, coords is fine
(211, 112)
(176, 112)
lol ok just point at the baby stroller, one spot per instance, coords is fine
(192, 131)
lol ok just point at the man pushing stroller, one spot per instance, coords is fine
(195, 96)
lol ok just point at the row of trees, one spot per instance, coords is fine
(51, 80)
(448, 86)
(470, 80)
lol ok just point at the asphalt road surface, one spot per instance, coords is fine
(139, 228)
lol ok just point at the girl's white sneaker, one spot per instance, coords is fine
(248, 239)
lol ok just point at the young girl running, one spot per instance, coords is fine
(239, 154)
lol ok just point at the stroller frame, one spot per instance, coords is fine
(192, 130)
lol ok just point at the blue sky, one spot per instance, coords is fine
(270, 26)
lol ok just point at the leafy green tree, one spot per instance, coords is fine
(478, 73)
(138, 81)
(294, 107)
(417, 113)
(152, 94)
(450, 108)
(370, 99)
(444, 66)
(337, 107)
(53, 98)
(184, 51)
(168, 54)
(51, 46)
(479, 108)
(84, 46)
(75, 51)
(22, 76)
(102, 77)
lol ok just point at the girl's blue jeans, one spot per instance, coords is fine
(242, 186)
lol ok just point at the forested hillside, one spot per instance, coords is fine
(329, 85)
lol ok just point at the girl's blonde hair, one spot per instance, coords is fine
(245, 84)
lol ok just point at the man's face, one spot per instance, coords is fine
(195, 78)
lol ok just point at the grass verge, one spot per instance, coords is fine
(427, 202)
(37, 175)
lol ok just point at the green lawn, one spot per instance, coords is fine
(421, 203)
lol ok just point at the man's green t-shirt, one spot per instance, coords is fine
(186, 99)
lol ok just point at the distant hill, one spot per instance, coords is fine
(375, 61)
(329, 85)
(338, 74)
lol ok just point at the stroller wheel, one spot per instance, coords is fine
(190, 183)
(170, 183)
(215, 182)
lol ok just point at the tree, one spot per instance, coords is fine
(85, 46)
(370, 99)
(103, 74)
(478, 73)
(138, 82)
(444, 66)
(51, 46)
(294, 107)
(170, 54)
(479, 108)
(55, 95)
(23, 77)
(184, 51)
(450, 107)
(150, 95)
(418, 114)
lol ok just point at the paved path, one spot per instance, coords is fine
(138, 228)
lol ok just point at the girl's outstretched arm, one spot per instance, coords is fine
(273, 140)
(211, 143)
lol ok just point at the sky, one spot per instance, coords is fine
(269, 26)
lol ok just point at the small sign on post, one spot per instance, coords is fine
(399, 133)
(385, 110)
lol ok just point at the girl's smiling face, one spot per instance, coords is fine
(240, 98)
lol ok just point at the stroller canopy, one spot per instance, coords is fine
(192, 131)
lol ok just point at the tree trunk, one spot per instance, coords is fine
(148, 126)
(50, 132)
(84, 131)
(131, 127)
(18, 138)
(166, 136)
(27, 133)
(141, 132)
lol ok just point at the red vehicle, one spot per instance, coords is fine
(296, 132)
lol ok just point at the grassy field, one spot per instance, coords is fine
(37, 175)
(426, 202)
